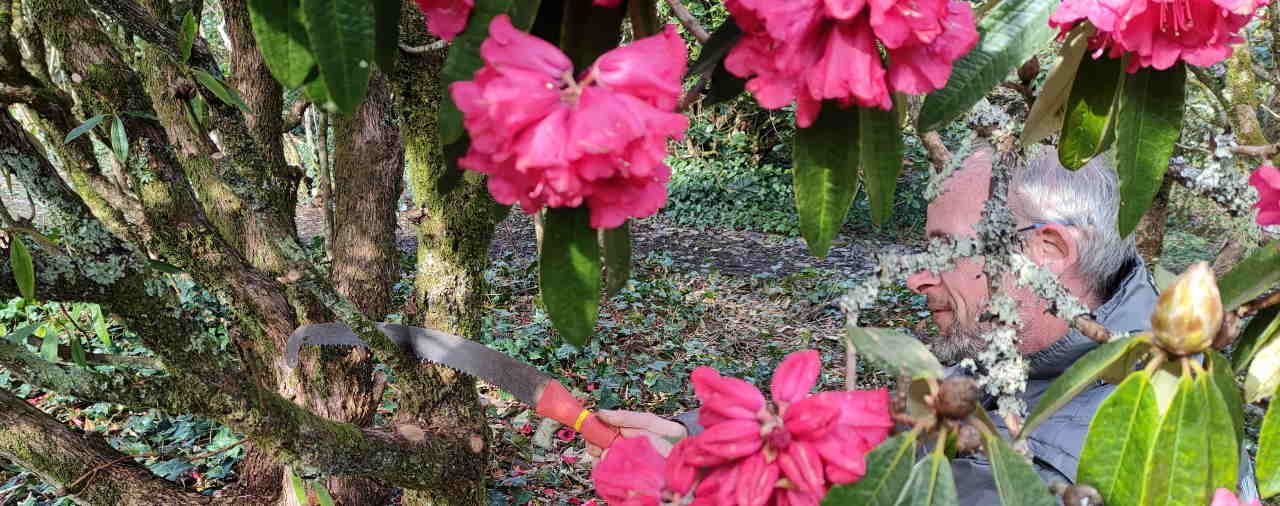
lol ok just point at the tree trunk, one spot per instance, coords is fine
(1150, 231)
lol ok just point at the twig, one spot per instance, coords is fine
(690, 23)
(1091, 328)
(434, 46)
(938, 152)
(1263, 151)
(1262, 302)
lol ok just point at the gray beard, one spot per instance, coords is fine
(961, 342)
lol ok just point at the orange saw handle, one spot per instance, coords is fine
(558, 404)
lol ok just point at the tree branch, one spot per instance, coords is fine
(690, 23)
(1222, 105)
(1229, 191)
(1265, 151)
(135, 17)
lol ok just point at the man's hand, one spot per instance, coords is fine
(662, 433)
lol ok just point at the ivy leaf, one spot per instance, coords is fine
(187, 36)
(616, 243)
(1047, 111)
(880, 159)
(341, 36)
(77, 352)
(1269, 453)
(464, 57)
(931, 483)
(119, 140)
(888, 471)
(1113, 459)
(84, 127)
(1082, 374)
(21, 334)
(386, 43)
(164, 267)
(1148, 123)
(225, 94)
(1089, 123)
(1009, 34)
(898, 351)
(171, 469)
(281, 34)
(826, 174)
(1016, 481)
(1251, 277)
(24, 269)
(569, 272)
(1177, 467)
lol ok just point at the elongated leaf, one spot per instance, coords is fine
(1016, 481)
(282, 37)
(299, 488)
(1224, 378)
(931, 483)
(322, 494)
(1251, 277)
(1119, 439)
(188, 36)
(888, 470)
(49, 347)
(84, 127)
(644, 18)
(569, 267)
(617, 257)
(21, 334)
(119, 140)
(100, 327)
(1264, 372)
(1048, 110)
(24, 269)
(1090, 114)
(879, 159)
(225, 94)
(1083, 373)
(1147, 125)
(1223, 452)
(1261, 329)
(898, 351)
(342, 39)
(1269, 452)
(1177, 467)
(386, 43)
(464, 56)
(1011, 32)
(826, 174)
(77, 352)
(1120, 369)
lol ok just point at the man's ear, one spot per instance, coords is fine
(1054, 247)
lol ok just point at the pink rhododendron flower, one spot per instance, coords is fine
(1158, 33)
(548, 139)
(1224, 497)
(634, 473)
(1266, 179)
(808, 51)
(566, 435)
(446, 18)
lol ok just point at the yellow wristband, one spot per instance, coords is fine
(582, 417)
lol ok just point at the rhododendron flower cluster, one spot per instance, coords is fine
(754, 452)
(1267, 181)
(447, 18)
(548, 139)
(814, 50)
(1158, 33)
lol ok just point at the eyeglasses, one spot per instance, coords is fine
(1035, 226)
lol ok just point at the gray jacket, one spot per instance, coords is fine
(1056, 444)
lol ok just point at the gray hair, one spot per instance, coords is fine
(1088, 199)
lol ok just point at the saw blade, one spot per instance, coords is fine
(498, 369)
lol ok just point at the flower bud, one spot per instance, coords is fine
(1081, 495)
(956, 397)
(1189, 312)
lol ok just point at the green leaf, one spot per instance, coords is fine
(826, 174)
(1089, 120)
(1123, 367)
(888, 470)
(77, 352)
(322, 494)
(164, 267)
(119, 140)
(1264, 372)
(20, 335)
(1047, 111)
(49, 347)
(931, 483)
(24, 269)
(281, 34)
(386, 43)
(880, 158)
(569, 266)
(1255, 274)
(188, 36)
(1223, 452)
(100, 327)
(318, 92)
(464, 57)
(1082, 374)
(897, 351)
(1269, 452)
(1224, 378)
(1177, 467)
(225, 94)
(1163, 277)
(1011, 32)
(84, 127)
(588, 31)
(616, 243)
(1016, 481)
(1261, 329)
(341, 36)
(299, 488)
(1147, 125)
(1120, 436)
